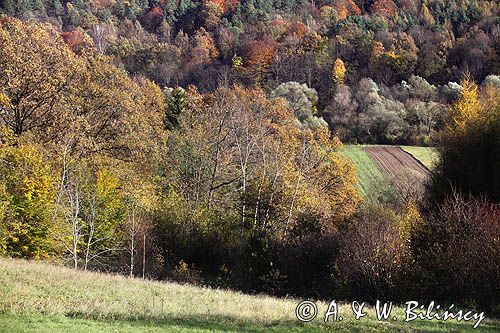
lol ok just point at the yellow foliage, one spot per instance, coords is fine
(410, 220)
(26, 201)
(427, 16)
(338, 71)
(4, 100)
(316, 176)
(37, 72)
(237, 63)
(467, 107)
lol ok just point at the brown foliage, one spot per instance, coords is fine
(260, 53)
(152, 19)
(72, 38)
(458, 249)
(375, 254)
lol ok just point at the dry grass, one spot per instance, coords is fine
(35, 287)
(51, 298)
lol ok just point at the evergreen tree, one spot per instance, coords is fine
(176, 105)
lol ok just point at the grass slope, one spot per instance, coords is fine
(371, 179)
(428, 156)
(373, 184)
(37, 297)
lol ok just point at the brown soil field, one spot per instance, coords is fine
(401, 168)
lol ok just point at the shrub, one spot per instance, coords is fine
(27, 191)
(375, 256)
(186, 274)
(458, 250)
(470, 153)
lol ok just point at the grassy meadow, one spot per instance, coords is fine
(39, 297)
(370, 177)
(428, 156)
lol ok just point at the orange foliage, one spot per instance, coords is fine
(260, 52)
(223, 4)
(345, 8)
(297, 29)
(205, 48)
(377, 49)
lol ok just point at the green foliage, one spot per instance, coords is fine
(302, 101)
(103, 215)
(4, 205)
(177, 104)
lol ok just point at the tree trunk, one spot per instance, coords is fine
(132, 257)
(144, 256)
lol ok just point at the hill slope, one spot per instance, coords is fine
(428, 156)
(370, 177)
(37, 297)
(382, 169)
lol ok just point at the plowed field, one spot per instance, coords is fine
(400, 167)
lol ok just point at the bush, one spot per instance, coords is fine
(458, 250)
(185, 274)
(27, 191)
(470, 153)
(253, 263)
(375, 257)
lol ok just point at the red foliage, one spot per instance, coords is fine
(260, 52)
(384, 8)
(4, 20)
(72, 38)
(152, 19)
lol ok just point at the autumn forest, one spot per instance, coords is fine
(203, 142)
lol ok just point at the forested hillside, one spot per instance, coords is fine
(203, 142)
(382, 71)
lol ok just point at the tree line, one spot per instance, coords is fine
(334, 47)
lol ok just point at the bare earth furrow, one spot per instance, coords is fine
(401, 168)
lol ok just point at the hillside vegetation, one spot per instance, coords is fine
(79, 301)
(380, 71)
(201, 141)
